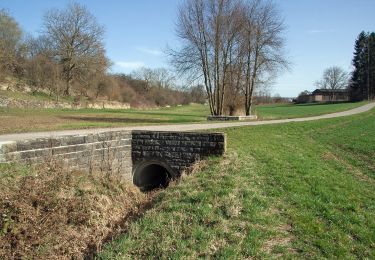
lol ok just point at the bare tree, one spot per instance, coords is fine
(41, 71)
(164, 78)
(208, 29)
(232, 45)
(160, 77)
(77, 40)
(10, 37)
(263, 45)
(145, 74)
(333, 78)
(43, 74)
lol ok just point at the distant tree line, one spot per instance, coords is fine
(363, 77)
(69, 59)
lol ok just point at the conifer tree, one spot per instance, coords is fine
(358, 79)
(363, 76)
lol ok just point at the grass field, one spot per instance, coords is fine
(297, 190)
(27, 120)
(301, 110)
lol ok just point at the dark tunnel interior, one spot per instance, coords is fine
(152, 176)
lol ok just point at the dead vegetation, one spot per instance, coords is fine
(48, 213)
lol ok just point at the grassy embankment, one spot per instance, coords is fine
(303, 190)
(27, 120)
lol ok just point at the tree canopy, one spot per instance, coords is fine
(363, 76)
(230, 46)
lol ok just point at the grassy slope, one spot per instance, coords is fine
(301, 110)
(292, 190)
(24, 120)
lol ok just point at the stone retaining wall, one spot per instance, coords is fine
(231, 118)
(108, 151)
(7, 102)
(116, 151)
(179, 150)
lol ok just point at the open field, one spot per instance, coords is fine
(278, 111)
(31, 120)
(297, 190)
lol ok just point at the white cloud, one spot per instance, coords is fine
(130, 64)
(320, 31)
(154, 52)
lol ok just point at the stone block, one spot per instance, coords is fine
(74, 140)
(172, 142)
(43, 153)
(8, 147)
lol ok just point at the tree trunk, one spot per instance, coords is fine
(67, 88)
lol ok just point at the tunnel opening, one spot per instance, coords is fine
(152, 176)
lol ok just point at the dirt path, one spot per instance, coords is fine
(181, 127)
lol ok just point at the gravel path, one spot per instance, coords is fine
(181, 127)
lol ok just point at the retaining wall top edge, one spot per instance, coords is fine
(65, 136)
(7, 142)
(177, 132)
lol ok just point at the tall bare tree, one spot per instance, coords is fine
(231, 44)
(10, 37)
(208, 30)
(263, 46)
(77, 40)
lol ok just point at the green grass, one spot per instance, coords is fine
(26, 120)
(297, 190)
(278, 111)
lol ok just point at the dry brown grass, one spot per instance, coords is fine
(48, 213)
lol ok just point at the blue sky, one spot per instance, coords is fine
(320, 33)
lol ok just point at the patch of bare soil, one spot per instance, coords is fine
(17, 124)
(48, 213)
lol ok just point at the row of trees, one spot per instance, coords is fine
(232, 47)
(363, 77)
(69, 54)
(69, 59)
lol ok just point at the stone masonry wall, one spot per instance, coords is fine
(8, 102)
(116, 151)
(108, 151)
(179, 150)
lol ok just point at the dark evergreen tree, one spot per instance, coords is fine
(358, 79)
(363, 77)
(371, 66)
